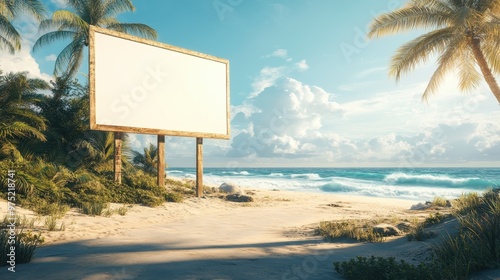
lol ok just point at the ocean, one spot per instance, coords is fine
(414, 184)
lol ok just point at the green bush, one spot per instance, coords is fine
(51, 224)
(21, 221)
(122, 210)
(418, 233)
(362, 268)
(466, 202)
(174, 197)
(44, 208)
(25, 245)
(349, 229)
(475, 247)
(150, 199)
(439, 201)
(93, 208)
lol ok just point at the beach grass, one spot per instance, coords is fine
(93, 208)
(476, 246)
(359, 230)
(26, 242)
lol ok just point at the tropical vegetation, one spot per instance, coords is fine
(463, 33)
(45, 136)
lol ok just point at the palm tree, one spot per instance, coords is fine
(465, 34)
(10, 39)
(74, 25)
(148, 160)
(19, 120)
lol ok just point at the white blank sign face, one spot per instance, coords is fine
(142, 86)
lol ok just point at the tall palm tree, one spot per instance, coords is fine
(18, 118)
(74, 25)
(465, 34)
(10, 38)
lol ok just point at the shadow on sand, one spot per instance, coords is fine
(108, 259)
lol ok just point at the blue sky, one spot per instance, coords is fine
(307, 87)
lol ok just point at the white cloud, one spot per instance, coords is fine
(302, 65)
(270, 74)
(267, 77)
(289, 119)
(288, 115)
(23, 60)
(51, 57)
(279, 53)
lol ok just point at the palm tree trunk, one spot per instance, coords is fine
(475, 44)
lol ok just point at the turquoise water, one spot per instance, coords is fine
(417, 184)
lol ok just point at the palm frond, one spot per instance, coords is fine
(447, 61)
(417, 51)
(68, 20)
(469, 77)
(66, 56)
(9, 33)
(75, 61)
(138, 29)
(408, 18)
(20, 129)
(34, 7)
(115, 7)
(51, 37)
(6, 44)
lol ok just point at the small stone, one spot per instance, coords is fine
(229, 188)
(239, 198)
(419, 206)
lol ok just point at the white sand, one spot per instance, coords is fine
(209, 238)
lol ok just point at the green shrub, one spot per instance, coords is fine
(45, 208)
(435, 219)
(466, 202)
(21, 221)
(25, 244)
(440, 201)
(418, 233)
(349, 229)
(151, 200)
(362, 268)
(51, 223)
(122, 210)
(93, 208)
(108, 212)
(174, 197)
(475, 247)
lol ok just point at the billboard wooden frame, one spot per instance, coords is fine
(204, 59)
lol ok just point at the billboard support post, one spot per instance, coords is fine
(199, 167)
(161, 160)
(118, 157)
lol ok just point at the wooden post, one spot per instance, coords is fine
(161, 160)
(199, 167)
(118, 157)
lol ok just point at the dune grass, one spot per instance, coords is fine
(475, 247)
(355, 229)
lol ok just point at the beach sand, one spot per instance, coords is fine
(210, 238)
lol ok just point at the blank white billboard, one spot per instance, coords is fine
(143, 86)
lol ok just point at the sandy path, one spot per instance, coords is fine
(210, 239)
